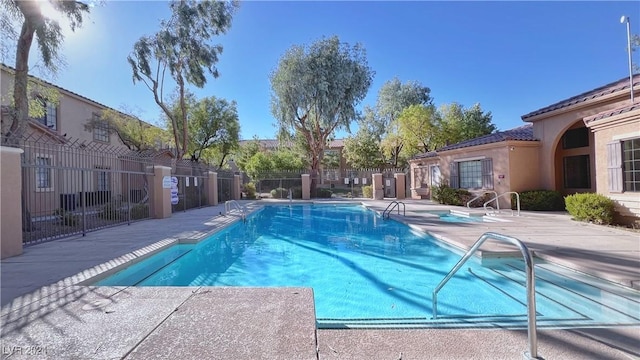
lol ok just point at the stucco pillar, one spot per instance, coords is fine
(400, 186)
(10, 202)
(212, 188)
(378, 189)
(236, 190)
(161, 194)
(306, 186)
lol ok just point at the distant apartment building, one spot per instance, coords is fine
(60, 139)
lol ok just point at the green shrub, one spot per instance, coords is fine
(250, 190)
(539, 200)
(324, 193)
(139, 211)
(367, 191)
(450, 196)
(591, 207)
(66, 218)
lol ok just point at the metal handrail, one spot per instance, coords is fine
(232, 203)
(396, 204)
(531, 287)
(498, 203)
(481, 195)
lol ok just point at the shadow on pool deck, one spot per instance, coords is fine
(45, 311)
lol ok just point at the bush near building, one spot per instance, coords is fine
(444, 194)
(591, 207)
(367, 191)
(539, 200)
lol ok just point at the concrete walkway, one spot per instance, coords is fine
(47, 312)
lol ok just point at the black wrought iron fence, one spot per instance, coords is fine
(225, 185)
(279, 185)
(72, 187)
(189, 190)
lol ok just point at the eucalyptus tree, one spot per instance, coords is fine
(183, 49)
(315, 90)
(214, 129)
(135, 134)
(393, 98)
(35, 21)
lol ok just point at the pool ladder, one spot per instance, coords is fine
(488, 209)
(531, 286)
(393, 205)
(230, 204)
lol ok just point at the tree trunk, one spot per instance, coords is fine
(20, 96)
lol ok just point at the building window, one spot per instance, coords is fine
(103, 180)
(631, 165)
(100, 129)
(577, 174)
(44, 176)
(50, 116)
(435, 175)
(575, 138)
(471, 174)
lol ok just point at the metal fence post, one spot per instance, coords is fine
(84, 203)
(129, 199)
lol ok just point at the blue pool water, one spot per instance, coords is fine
(370, 272)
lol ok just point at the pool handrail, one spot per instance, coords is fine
(481, 195)
(498, 203)
(531, 287)
(233, 203)
(396, 204)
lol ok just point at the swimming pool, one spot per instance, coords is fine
(370, 272)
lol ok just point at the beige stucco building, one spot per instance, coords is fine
(586, 143)
(66, 162)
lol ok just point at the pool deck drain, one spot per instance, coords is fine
(45, 313)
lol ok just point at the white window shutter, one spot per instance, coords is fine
(614, 166)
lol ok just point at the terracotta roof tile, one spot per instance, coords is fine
(610, 113)
(616, 86)
(521, 133)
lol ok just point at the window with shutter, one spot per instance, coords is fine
(487, 174)
(453, 175)
(614, 166)
(630, 164)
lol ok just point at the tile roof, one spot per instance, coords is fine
(609, 113)
(521, 133)
(616, 86)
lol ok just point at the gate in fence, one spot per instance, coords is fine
(191, 185)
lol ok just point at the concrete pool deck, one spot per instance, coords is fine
(45, 312)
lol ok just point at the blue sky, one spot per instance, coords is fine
(511, 57)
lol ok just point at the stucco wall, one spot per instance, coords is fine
(550, 128)
(524, 166)
(10, 203)
(515, 166)
(628, 203)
